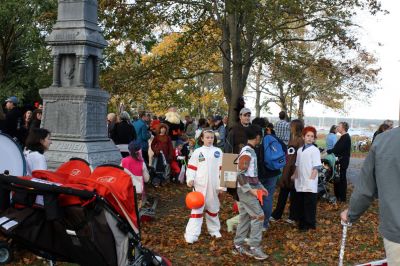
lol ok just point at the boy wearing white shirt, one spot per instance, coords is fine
(308, 162)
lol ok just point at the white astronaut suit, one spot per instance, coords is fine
(204, 168)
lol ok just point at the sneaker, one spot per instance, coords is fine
(216, 235)
(258, 254)
(290, 221)
(240, 250)
(272, 219)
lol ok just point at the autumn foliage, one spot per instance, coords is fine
(284, 244)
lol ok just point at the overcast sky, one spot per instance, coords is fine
(382, 29)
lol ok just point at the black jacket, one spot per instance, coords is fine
(236, 139)
(123, 133)
(342, 150)
(175, 130)
(13, 122)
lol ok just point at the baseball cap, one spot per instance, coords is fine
(12, 99)
(245, 111)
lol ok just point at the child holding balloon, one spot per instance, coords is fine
(203, 173)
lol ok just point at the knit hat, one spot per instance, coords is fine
(134, 146)
(179, 142)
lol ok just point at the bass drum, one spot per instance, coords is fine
(12, 160)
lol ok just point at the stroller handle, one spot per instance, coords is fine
(13, 181)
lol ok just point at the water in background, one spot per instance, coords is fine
(360, 127)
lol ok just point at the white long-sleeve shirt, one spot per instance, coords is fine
(34, 161)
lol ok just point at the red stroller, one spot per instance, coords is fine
(75, 216)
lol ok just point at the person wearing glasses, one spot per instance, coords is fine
(203, 173)
(237, 138)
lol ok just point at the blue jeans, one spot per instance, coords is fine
(270, 184)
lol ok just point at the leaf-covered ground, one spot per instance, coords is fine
(284, 244)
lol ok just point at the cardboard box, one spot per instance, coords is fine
(229, 170)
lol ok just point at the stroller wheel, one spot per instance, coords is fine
(5, 253)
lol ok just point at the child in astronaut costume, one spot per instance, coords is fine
(203, 173)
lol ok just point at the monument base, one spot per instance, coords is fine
(95, 152)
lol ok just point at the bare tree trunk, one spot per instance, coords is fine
(236, 63)
(3, 63)
(258, 89)
(282, 97)
(300, 112)
(236, 79)
(226, 72)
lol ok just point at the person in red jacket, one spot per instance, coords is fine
(162, 143)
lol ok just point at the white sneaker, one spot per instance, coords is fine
(258, 254)
(241, 250)
(290, 221)
(216, 235)
(272, 219)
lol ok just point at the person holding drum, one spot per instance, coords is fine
(37, 142)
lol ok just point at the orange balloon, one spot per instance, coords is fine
(194, 200)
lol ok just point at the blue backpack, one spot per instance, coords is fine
(274, 153)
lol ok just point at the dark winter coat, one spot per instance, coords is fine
(123, 133)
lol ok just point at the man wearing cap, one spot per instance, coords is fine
(13, 117)
(237, 137)
(219, 129)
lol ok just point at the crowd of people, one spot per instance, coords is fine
(23, 125)
(200, 148)
(284, 156)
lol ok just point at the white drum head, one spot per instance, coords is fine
(11, 157)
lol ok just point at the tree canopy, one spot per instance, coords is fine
(190, 53)
(24, 58)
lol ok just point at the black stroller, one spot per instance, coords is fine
(67, 216)
(328, 174)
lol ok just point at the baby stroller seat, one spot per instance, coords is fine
(86, 220)
(158, 169)
(328, 174)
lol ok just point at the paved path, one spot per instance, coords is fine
(354, 169)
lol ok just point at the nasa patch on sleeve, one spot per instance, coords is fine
(217, 154)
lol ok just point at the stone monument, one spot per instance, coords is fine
(75, 108)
